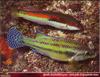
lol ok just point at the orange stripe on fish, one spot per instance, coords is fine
(38, 15)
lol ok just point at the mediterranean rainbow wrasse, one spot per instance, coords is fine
(54, 19)
(56, 48)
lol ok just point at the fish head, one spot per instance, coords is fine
(72, 27)
(72, 23)
(80, 56)
(75, 26)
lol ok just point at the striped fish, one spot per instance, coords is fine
(53, 47)
(54, 19)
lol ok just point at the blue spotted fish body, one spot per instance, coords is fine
(56, 48)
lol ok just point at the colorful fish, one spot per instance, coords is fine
(6, 51)
(54, 19)
(56, 48)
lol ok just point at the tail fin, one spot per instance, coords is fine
(14, 38)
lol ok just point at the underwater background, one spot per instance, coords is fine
(24, 60)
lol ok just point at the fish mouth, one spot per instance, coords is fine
(72, 28)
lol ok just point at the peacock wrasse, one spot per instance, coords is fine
(56, 48)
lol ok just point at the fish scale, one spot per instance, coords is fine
(54, 48)
(55, 41)
(51, 40)
(51, 47)
(59, 56)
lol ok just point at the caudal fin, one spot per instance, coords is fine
(14, 38)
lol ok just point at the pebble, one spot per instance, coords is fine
(90, 44)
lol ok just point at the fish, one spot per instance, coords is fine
(6, 51)
(53, 19)
(56, 48)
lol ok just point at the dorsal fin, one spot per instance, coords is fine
(41, 35)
